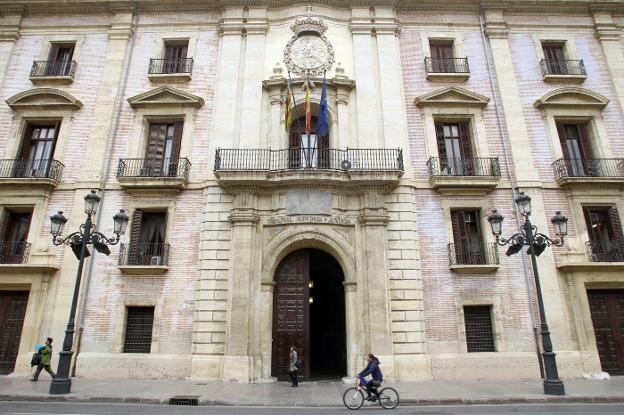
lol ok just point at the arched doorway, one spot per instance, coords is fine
(309, 312)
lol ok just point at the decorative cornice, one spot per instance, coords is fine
(244, 216)
(43, 98)
(452, 96)
(572, 97)
(166, 96)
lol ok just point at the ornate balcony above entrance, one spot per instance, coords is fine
(347, 168)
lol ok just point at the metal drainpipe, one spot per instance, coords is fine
(107, 166)
(527, 273)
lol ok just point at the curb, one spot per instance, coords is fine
(403, 402)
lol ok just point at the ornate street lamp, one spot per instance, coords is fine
(537, 243)
(78, 241)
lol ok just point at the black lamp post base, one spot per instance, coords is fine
(554, 387)
(60, 386)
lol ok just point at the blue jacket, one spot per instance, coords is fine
(372, 369)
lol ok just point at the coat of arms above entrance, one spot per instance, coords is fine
(308, 52)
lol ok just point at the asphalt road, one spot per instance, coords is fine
(36, 408)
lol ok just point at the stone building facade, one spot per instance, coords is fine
(247, 236)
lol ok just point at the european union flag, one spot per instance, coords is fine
(322, 128)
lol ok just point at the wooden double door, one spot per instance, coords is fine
(607, 312)
(12, 312)
(309, 313)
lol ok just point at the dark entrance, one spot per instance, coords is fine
(607, 312)
(12, 312)
(309, 312)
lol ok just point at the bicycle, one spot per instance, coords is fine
(353, 398)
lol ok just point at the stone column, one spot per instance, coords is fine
(373, 220)
(342, 110)
(9, 33)
(609, 36)
(266, 328)
(275, 86)
(119, 34)
(354, 351)
(238, 361)
(518, 137)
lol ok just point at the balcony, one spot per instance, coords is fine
(139, 175)
(563, 70)
(43, 173)
(589, 172)
(53, 72)
(464, 176)
(170, 70)
(470, 260)
(598, 251)
(350, 167)
(447, 69)
(143, 258)
(14, 252)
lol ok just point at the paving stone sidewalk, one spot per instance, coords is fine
(309, 393)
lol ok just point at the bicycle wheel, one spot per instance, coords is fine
(388, 398)
(353, 398)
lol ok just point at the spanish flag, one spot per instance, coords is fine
(308, 112)
(288, 119)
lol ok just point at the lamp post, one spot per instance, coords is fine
(78, 241)
(537, 243)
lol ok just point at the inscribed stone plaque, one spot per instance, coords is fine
(308, 203)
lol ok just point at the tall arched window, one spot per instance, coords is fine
(307, 151)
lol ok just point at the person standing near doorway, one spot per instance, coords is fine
(46, 359)
(292, 367)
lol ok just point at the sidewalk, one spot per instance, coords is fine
(308, 394)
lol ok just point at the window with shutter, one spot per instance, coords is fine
(59, 59)
(442, 56)
(467, 237)
(576, 148)
(606, 240)
(479, 333)
(555, 58)
(36, 151)
(455, 149)
(139, 326)
(163, 149)
(307, 150)
(175, 57)
(13, 246)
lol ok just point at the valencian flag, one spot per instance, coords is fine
(288, 119)
(308, 112)
(323, 123)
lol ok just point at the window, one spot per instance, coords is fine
(442, 58)
(60, 59)
(139, 324)
(454, 148)
(163, 149)
(13, 247)
(175, 57)
(555, 58)
(479, 333)
(606, 239)
(147, 239)
(468, 247)
(37, 150)
(576, 149)
(307, 150)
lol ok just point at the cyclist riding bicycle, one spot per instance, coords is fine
(372, 368)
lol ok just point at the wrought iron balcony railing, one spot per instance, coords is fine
(309, 158)
(36, 169)
(563, 67)
(14, 252)
(154, 168)
(565, 168)
(447, 65)
(612, 251)
(459, 254)
(170, 66)
(45, 69)
(484, 166)
(145, 254)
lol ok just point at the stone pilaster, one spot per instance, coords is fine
(609, 36)
(119, 34)
(238, 362)
(518, 137)
(342, 109)
(373, 221)
(354, 351)
(9, 32)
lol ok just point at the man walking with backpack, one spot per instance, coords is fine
(44, 363)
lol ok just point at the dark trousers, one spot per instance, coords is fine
(47, 368)
(294, 376)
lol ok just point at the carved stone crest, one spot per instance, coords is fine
(308, 52)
